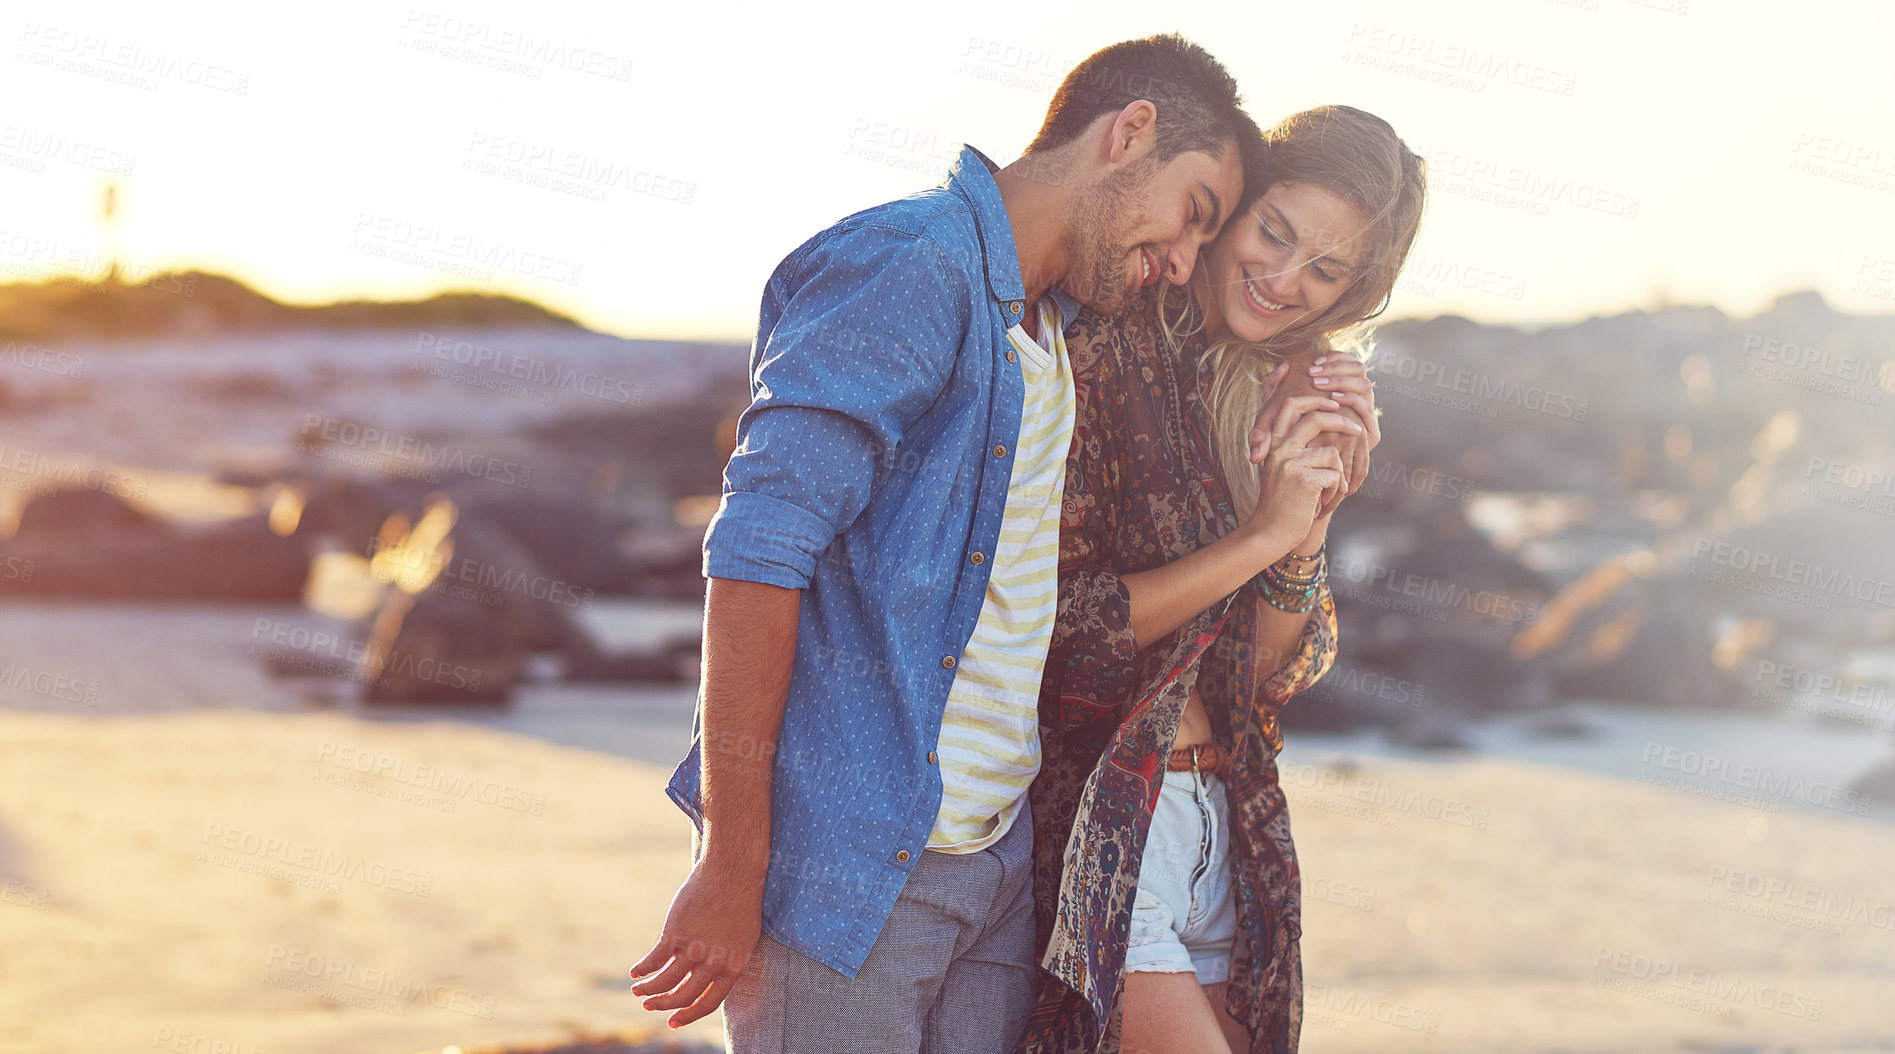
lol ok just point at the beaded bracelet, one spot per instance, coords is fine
(1291, 584)
(1291, 599)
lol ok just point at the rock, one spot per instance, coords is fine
(1431, 728)
(64, 513)
(1644, 645)
(1559, 725)
(92, 545)
(572, 540)
(433, 648)
(1878, 784)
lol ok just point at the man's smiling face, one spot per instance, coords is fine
(1147, 221)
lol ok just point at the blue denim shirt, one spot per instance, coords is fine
(871, 472)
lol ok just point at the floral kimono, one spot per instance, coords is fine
(1142, 490)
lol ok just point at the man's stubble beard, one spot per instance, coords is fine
(1099, 218)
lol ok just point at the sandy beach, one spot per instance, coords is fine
(308, 882)
(282, 882)
(379, 390)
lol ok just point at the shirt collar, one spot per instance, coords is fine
(1068, 306)
(973, 178)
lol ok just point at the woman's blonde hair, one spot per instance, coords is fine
(1359, 157)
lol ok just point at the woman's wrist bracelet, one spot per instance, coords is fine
(1294, 581)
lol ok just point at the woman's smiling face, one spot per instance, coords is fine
(1288, 260)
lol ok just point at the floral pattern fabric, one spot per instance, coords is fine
(1142, 490)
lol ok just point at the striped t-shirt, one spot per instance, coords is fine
(990, 734)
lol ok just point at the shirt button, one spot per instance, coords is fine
(1000, 451)
(1013, 357)
(1014, 307)
(947, 662)
(901, 857)
(930, 757)
(977, 559)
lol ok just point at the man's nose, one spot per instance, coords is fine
(1178, 263)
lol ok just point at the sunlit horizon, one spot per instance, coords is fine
(1587, 158)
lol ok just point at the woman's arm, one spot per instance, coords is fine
(1106, 618)
(1290, 651)
(1293, 476)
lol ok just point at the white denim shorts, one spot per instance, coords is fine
(1184, 918)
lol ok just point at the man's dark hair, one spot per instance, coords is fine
(1199, 107)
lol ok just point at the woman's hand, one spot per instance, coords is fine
(1291, 477)
(1345, 380)
(1295, 470)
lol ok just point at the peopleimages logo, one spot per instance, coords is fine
(528, 52)
(1527, 189)
(1379, 582)
(438, 779)
(104, 57)
(1796, 356)
(1461, 65)
(370, 987)
(1794, 572)
(1385, 477)
(271, 854)
(1693, 988)
(1847, 152)
(1710, 768)
(1379, 794)
(1854, 477)
(388, 236)
(1823, 905)
(1825, 693)
(535, 373)
(1478, 385)
(345, 440)
(572, 172)
(33, 147)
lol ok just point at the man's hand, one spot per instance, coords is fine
(712, 927)
(1343, 379)
(709, 933)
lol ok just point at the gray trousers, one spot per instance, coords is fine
(952, 972)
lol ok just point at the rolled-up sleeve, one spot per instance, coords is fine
(858, 340)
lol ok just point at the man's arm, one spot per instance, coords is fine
(867, 337)
(716, 917)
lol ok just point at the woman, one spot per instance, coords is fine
(1193, 605)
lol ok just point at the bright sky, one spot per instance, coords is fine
(644, 166)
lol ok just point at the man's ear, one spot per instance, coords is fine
(1133, 131)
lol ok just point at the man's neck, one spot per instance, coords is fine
(1038, 199)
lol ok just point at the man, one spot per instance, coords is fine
(883, 575)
